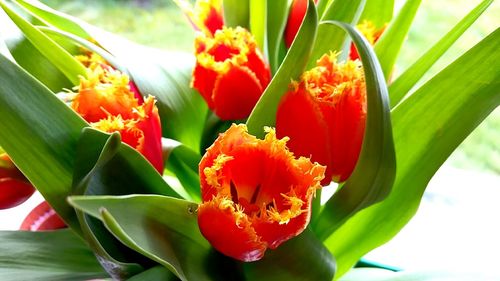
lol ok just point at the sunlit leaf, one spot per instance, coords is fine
(264, 112)
(63, 60)
(373, 176)
(406, 81)
(40, 133)
(163, 229)
(258, 16)
(237, 13)
(154, 274)
(427, 127)
(379, 12)
(277, 14)
(332, 38)
(388, 46)
(46, 256)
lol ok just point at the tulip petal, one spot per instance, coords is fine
(299, 117)
(229, 89)
(42, 217)
(229, 232)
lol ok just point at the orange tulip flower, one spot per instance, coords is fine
(324, 116)
(105, 99)
(256, 194)
(230, 72)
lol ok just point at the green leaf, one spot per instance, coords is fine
(46, 256)
(154, 274)
(277, 15)
(404, 83)
(301, 258)
(183, 162)
(4, 50)
(427, 127)
(105, 166)
(333, 39)
(54, 18)
(63, 60)
(322, 6)
(373, 176)
(258, 16)
(264, 112)
(163, 229)
(40, 134)
(237, 13)
(388, 46)
(379, 12)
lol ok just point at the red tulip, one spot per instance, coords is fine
(371, 33)
(106, 100)
(14, 187)
(42, 217)
(295, 17)
(324, 116)
(256, 194)
(230, 72)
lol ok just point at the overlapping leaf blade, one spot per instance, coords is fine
(40, 134)
(46, 256)
(277, 14)
(379, 12)
(333, 39)
(264, 112)
(406, 81)
(427, 127)
(388, 46)
(162, 228)
(63, 60)
(373, 176)
(237, 13)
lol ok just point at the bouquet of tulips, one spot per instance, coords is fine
(160, 165)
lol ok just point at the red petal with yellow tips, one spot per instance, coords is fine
(256, 194)
(14, 187)
(324, 116)
(42, 217)
(230, 72)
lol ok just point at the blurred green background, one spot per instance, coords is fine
(159, 23)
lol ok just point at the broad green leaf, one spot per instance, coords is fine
(388, 46)
(105, 166)
(40, 134)
(237, 13)
(427, 127)
(379, 12)
(46, 256)
(301, 258)
(183, 163)
(333, 39)
(4, 50)
(373, 176)
(404, 83)
(264, 112)
(51, 17)
(277, 15)
(163, 229)
(322, 6)
(102, 244)
(154, 274)
(57, 55)
(258, 23)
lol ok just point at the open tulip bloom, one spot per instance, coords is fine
(210, 166)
